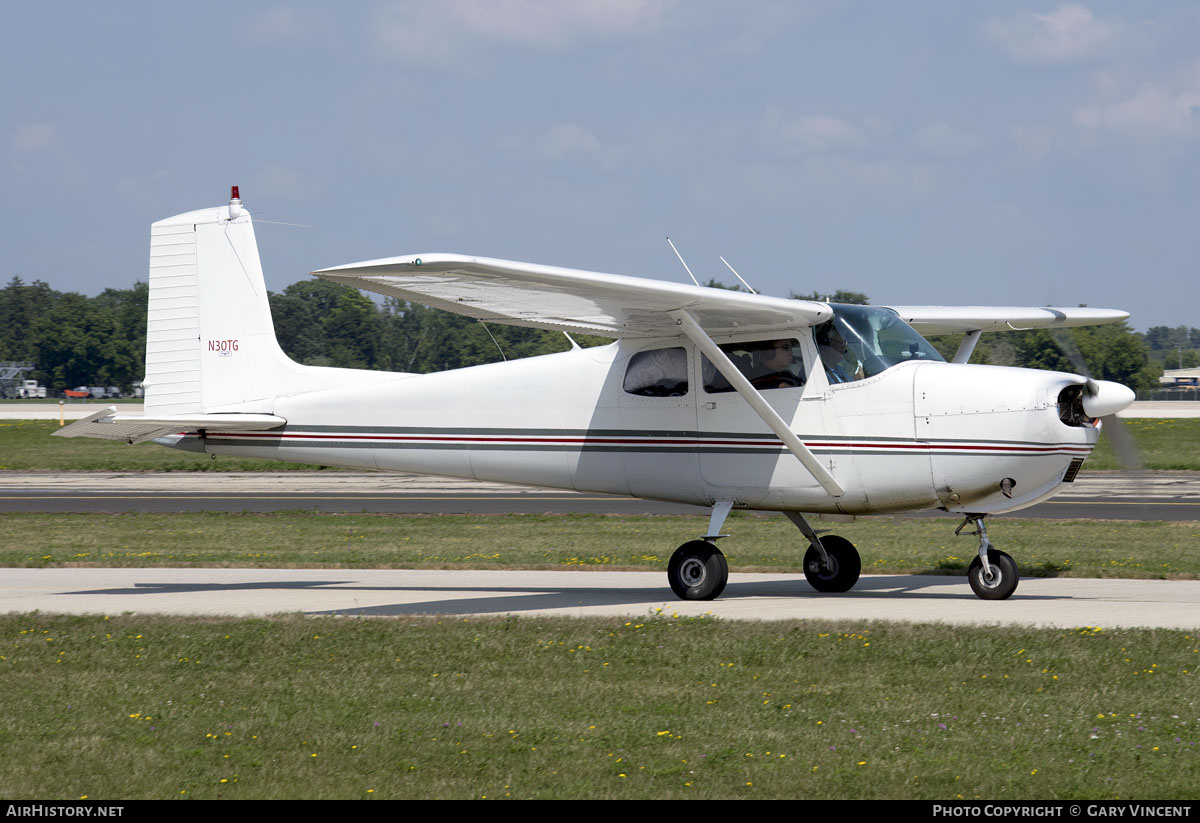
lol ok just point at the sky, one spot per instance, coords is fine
(948, 153)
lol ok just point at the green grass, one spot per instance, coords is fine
(1161, 444)
(140, 707)
(1077, 548)
(26, 445)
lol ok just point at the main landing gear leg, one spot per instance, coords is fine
(831, 563)
(698, 570)
(993, 574)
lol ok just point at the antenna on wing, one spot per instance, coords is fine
(685, 265)
(738, 276)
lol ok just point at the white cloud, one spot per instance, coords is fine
(387, 153)
(555, 23)
(445, 31)
(31, 137)
(823, 180)
(1008, 216)
(565, 139)
(282, 25)
(944, 139)
(1070, 33)
(812, 134)
(39, 151)
(1032, 144)
(1152, 110)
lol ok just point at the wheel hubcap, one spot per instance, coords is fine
(693, 572)
(825, 572)
(990, 576)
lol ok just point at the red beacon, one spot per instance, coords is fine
(235, 203)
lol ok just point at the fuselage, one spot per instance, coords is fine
(915, 436)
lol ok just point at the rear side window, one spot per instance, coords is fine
(658, 373)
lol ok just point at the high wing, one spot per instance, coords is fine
(951, 319)
(549, 297)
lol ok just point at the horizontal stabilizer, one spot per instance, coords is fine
(108, 425)
(549, 297)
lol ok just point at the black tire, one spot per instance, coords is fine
(845, 565)
(1005, 577)
(697, 571)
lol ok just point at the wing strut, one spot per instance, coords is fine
(761, 407)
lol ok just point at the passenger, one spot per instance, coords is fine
(776, 364)
(840, 365)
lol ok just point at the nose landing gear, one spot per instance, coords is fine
(992, 574)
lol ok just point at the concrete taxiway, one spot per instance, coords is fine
(1058, 602)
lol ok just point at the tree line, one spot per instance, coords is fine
(75, 340)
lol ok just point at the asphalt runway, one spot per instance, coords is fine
(1061, 602)
(1105, 495)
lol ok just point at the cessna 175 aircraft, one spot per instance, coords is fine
(707, 396)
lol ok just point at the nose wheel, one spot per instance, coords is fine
(997, 580)
(992, 574)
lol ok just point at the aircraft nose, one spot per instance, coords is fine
(1104, 397)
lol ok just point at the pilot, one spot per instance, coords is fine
(840, 365)
(775, 365)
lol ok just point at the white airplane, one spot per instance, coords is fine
(707, 396)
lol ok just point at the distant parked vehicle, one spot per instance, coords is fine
(76, 394)
(30, 389)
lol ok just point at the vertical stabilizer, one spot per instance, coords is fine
(210, 343)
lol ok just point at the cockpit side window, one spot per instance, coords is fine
(767, 364)
(658, 373)
(862, 341)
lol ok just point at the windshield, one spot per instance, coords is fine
(861, 341)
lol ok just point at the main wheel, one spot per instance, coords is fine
(844, 565)
(1004, 576)
(697, 571)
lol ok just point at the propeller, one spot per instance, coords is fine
(1103, 399)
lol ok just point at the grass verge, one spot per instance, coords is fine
(1077, 548)
(140, 707)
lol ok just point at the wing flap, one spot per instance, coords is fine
(951, 319)
(108, 425)
(549, 297)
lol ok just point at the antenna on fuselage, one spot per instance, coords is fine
(685, 265)
(738, 276)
